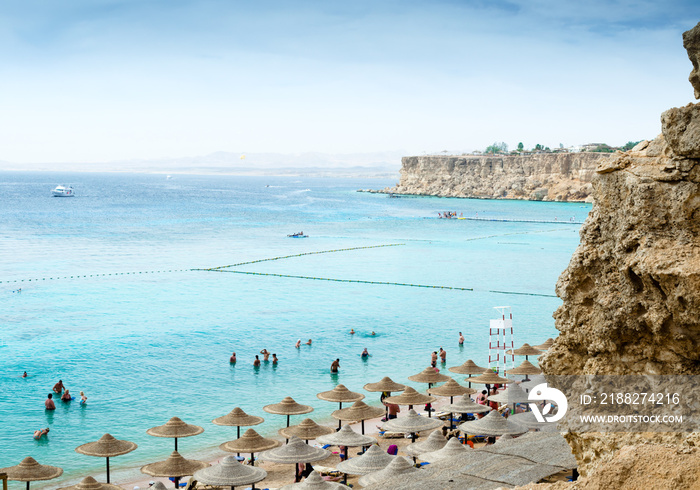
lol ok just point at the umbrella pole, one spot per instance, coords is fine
(27, 485)
(252, 459)
(363, 427)
(177, 479)
(176, 444)
(107, 469)
(340, 407)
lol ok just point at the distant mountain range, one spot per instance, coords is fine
(378, 164)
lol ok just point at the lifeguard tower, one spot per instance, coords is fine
(501, 340)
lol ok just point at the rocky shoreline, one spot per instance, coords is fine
(536, 177)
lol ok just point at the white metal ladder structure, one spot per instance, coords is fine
(499, 331)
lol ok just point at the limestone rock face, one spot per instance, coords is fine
(539, 177)
(691, 42)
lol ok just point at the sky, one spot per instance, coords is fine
(106, 80)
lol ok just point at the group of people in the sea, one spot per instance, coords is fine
(49, 404)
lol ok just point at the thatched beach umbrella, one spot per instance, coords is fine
(230, 473)
(176, 429)
(315, 482)
(30, 470)
(410, 397)
(434, 442)
(250, 443)
(174, 467)
(346, 437)
(296, 451)
(469, 367)
(397, 466)
(340, 394)
(430, 376)
(513, 394)
(385, 385)
(238, 418)
(89, 483)
(412, 423)
(106, 447)
(288, 407)
(526, 369)
(488, 377)
(159, 485)
(307, 430)
(451, 388)
(492, 425)
(450, 450)
(526, 350)
(466, 405)
(546, 344)
(374, 459)
(358, 411)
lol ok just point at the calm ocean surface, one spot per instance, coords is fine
(148, 346)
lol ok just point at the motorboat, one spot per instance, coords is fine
(298, 235)
(63, 191)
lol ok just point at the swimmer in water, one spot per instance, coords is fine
(309, 342)
(232, 360)
(274, 358)
(352, 331)
(461, 338)
(58, 387)
(298, 344)
(364, 353)
(83, 398)
(24, 375)
(256, 362)
(266, 355)
(38, 434)
(373, 334)
(66, 396)
(335, 365)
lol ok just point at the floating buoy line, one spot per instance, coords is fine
(224, 268)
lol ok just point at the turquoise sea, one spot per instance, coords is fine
(147, 338)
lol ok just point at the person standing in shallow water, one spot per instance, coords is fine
(461, 339)
(443, 355)
(335, 365)
(274, 358)
(58, 387)
(266, 355)
(256, 362)
(232, 360)
(49, 404)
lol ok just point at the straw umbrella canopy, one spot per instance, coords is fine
(526, 350)
(528, 420)
(174, 467)
(546, 344)
(230, 473)
(358, 411)
(238, 418)
(526, 368)
(513, 394)
(374, 459)
(288, 407)
(434, 442)
(488, 377)
(340, 394)
(469, 368)
(89, 483)
(493, 425)
(295, 451)
(451, 389)
(176, 429)
(450, 450)
(346, 437)
(410, 397)
(315, 482)
(412, 423)
(385, 385)
(398, 466)
(30, 470)
(106, 447)
(466, 405)
(430, 376)
(250, 443)
(307, 430)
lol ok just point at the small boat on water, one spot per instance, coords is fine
(63, 191)
(298, 235)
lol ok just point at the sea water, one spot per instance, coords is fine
(116, 300)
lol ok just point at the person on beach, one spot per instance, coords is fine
(443, 355)
(83, 398)
(24, 375)
(232, 360)
(256, 362)
(309, 342)
(266, 355)
(38, 434)
(364, 354)
(393, 410)
(66, 396)
(274, 358)
(461, 339)
(49, 404)
(352, 331)
(298, 344)
(433, 358)
(335, 365)
(58, 387)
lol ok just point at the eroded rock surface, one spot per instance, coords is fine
(539, 177)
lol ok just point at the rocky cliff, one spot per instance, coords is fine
(631, 293)
(540, 177)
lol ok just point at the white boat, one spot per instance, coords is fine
(63, 191)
